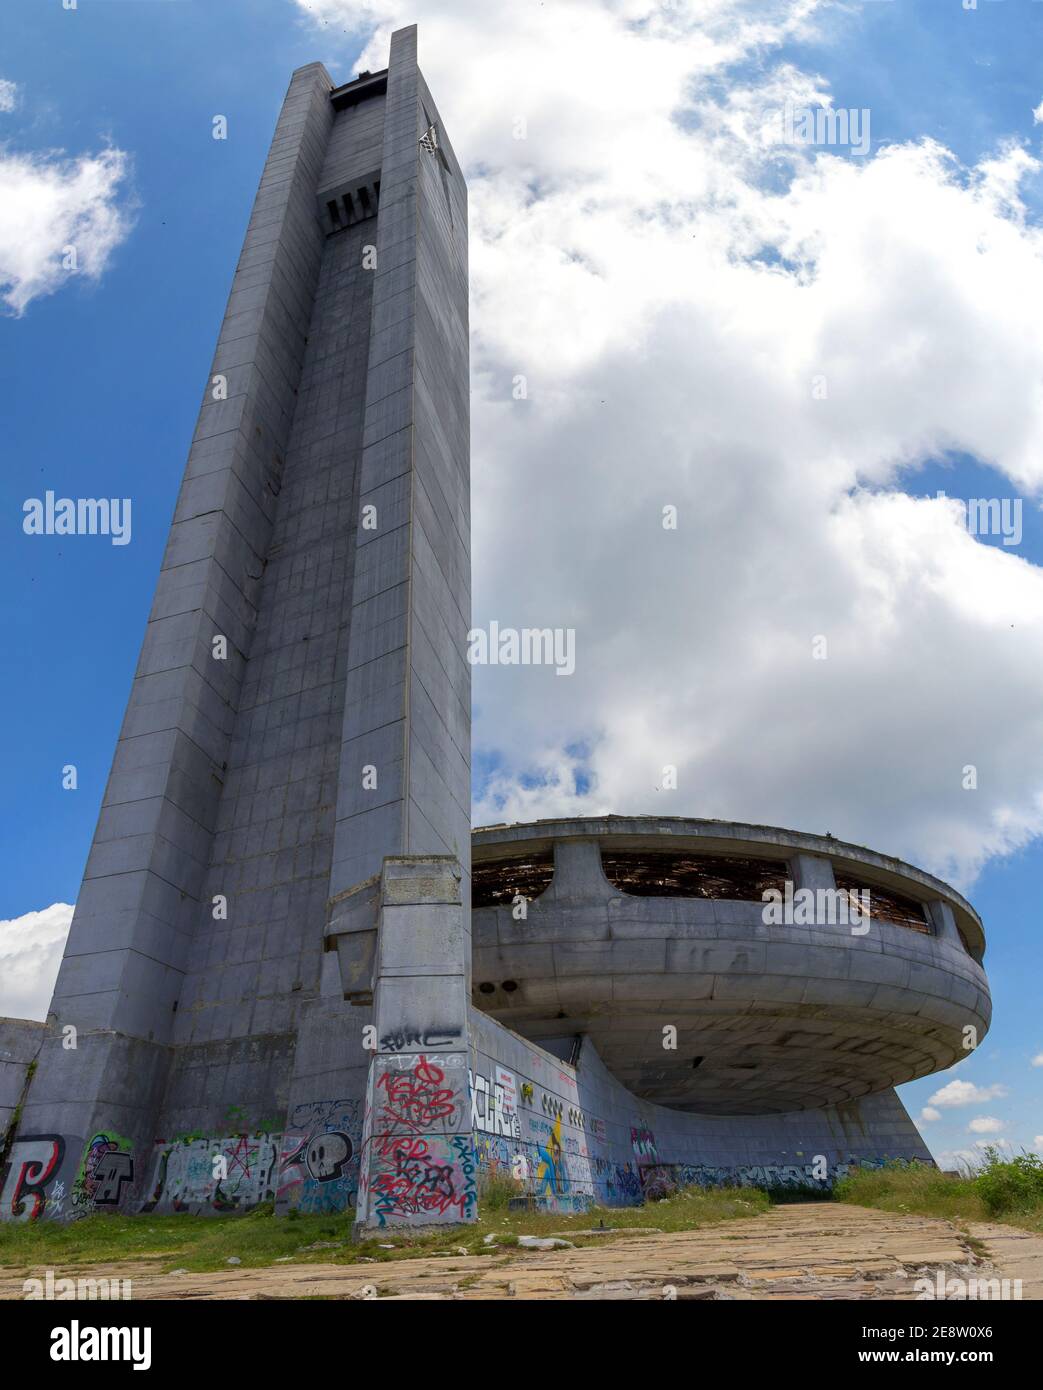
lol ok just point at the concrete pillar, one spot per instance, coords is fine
(944, 923)
(812, 871)
(578, 872)
(418, 1163)
(407, 712)
(133, 941)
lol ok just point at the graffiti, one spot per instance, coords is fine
(495, 1153)
(644, 1145)
(105, 1169)
(58, 1177)
(185, 1176)
(417, 1101)
(314, 1115)
(437, 1035)
(405, 1061)
(35, 1160)
(318, 1164)
(658, 1181)
(423, 1179)
(507, 1087)
(494, 1105)
(551, 1177)
(540, 1174)
(415, 1168)
(112, 1170)
(322, 1157)
(665, 1179)
(327, 1155)
(573, 1116)
(624, 1186)
(55, 1204)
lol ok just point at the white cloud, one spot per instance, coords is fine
(1037, 114)
(1004, 1148)
(965, 1093)
(928, 1115)
(30, 953)
(1037, 1143)
(671, 286)
(1037, 1061)
(51, 206)
(985, 1124)
(959, 1159)
(8, 95)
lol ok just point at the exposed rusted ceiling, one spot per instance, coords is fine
(676, 875)
(887, 906)
(499, 882)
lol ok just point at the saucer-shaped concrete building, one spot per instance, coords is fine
(761, 1045)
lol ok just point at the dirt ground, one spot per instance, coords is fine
(816, 1251)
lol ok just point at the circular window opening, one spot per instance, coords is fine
(486, 987)
(509, 986)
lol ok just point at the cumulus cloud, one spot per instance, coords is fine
(929, 1115)
(1038, 1143)
(1003, 1147)
(772, 339)
(30, 953)
(985, 1124)
(59, 218)
(965, 1093)
(959, 1159)
(8, 95)
(1037, 1061)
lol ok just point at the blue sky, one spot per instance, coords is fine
(966, 79)
(102, 380)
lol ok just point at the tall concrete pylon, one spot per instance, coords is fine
(299, 721)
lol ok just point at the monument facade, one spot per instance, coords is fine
(275, 988)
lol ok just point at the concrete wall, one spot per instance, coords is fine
(253, 972)
(576, 1136)
(571, 1136)
(186, 778)
(20, 1041)
(408, 705)
(417, 1160)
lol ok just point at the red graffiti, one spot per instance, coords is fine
(417, 1183)
(35, 1159)
(241, 1156)
(417, 1100)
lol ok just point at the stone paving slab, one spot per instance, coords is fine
(794, 1252)
(1016, 1254)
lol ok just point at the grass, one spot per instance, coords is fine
(1007, 1191)
(259, 1238)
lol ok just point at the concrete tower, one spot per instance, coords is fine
(299, 722)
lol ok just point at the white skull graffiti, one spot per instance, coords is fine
(327, 1154)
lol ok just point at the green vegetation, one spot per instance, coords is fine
(1011, 1187)
(260, 1237)
(496, 1190)
(997, 1189)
